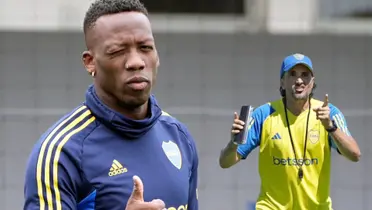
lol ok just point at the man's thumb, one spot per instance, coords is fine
(326, 100)
(137, 193)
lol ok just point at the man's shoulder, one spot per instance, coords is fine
(170, 120)
(69, 131)
(263, 111)
(64, 137)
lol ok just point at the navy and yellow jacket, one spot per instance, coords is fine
(88, 158)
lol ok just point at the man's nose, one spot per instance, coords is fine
(299, 80)
(135, 62)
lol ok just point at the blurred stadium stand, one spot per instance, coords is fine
(215, 56)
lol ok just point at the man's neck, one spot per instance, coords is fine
(296, 107)
(137, 113)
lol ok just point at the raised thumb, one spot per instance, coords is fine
(137, 193)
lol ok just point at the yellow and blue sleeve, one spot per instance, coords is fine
(53, 176)
(339, 119)
(49, 184)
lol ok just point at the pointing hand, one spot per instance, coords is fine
(323, 113)
(136, 200)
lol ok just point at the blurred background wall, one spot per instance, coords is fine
(215, 56)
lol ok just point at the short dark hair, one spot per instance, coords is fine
(107, 7)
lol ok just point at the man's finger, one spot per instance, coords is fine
(237, 126)
(239, 122)
(321, 113)
(158, 204)
(322, 117)
(235, 131)
(325, 100)
(236, 116)
(137, 193)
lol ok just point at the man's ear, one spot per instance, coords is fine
(88, 62)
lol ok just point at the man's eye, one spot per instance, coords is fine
(306, 74)
(113, 52)
(146, 47)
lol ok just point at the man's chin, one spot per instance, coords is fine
(135, 100)
(300, 97)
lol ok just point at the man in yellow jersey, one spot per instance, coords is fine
(294, 160)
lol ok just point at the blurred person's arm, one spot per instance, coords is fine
(233, 153)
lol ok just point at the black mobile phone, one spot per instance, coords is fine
(245, 116)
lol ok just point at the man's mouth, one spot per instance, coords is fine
(299, 89)
(138, 83)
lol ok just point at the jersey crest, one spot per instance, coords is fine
(173, 153)
(314, 136)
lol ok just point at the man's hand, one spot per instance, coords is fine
(229, 155)
(136, 201)
(323, 114)
(237, 125)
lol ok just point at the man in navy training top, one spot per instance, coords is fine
(119, 137)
